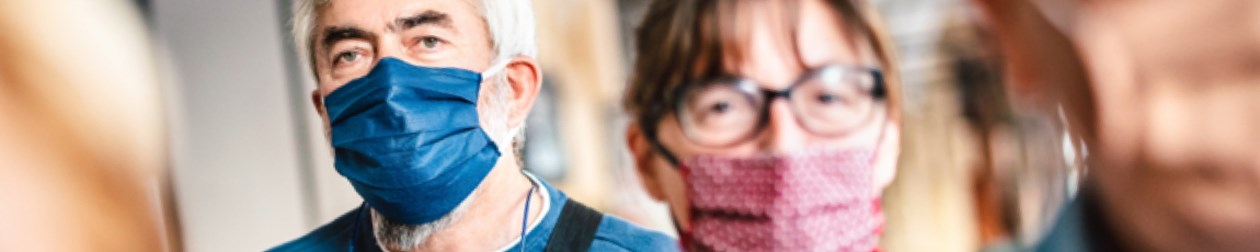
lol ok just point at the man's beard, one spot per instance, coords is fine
(395, 236)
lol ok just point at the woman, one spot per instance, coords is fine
(765, 125)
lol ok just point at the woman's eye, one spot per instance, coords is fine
(827, 98)
(720, 107)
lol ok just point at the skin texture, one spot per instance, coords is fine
(821, 40)
(463, 41)
(1176, 93)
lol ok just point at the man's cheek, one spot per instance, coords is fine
(483, 106)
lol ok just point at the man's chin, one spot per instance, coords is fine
(396, 236)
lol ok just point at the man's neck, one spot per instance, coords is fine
(492, 220)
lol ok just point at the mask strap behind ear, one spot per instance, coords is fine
(495, 68)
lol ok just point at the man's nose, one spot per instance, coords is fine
(387, 48)
(782, 133)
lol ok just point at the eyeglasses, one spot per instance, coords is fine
(828, 101)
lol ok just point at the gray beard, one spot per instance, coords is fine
(395, 236)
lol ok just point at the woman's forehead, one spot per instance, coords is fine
(782, 41)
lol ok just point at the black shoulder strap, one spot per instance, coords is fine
(575, 229)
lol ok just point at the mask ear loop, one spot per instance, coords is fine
(649, 130)
(879, 144)
(495, 68)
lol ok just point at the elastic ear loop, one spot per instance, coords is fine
(879, 145)
(495, 68)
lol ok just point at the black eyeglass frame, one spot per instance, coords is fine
(650, 126)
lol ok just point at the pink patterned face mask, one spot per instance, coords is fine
(808, 202)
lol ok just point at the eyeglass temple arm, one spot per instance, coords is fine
(650, 131)
(879, 91)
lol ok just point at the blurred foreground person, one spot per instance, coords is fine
(81, 135)
(765, 125)
(1165, 97)
(423, 102)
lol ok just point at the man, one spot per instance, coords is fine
(421, 100)
(1167, 101)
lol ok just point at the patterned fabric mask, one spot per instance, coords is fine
(807, 202)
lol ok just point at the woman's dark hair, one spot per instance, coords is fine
(680, 41)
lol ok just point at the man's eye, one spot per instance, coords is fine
(430, 42)
(347, 58)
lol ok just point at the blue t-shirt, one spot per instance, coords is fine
(614, 234)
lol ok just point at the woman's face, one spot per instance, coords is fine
(771, 59)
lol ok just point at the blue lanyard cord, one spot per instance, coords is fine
(525, 219)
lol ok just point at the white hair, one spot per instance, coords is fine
(511, 27)
(510, 23)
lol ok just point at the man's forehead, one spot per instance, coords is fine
(381, 14)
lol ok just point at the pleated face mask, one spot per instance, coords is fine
(800, 202)
(409, 140)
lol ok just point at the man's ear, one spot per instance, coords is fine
(524, 79)
(318, 101)
(641, 152)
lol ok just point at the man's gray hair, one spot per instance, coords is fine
(510, 22)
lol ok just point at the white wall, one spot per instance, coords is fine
(250, 167)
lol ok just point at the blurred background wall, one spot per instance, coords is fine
(251, 167)
(242, 159)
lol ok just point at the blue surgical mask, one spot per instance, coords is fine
(409, 140)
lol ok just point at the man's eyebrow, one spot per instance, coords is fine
(428, 17)
(335, 34)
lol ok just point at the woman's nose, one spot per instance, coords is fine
(782, 133)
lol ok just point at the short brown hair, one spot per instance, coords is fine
(680, 41)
